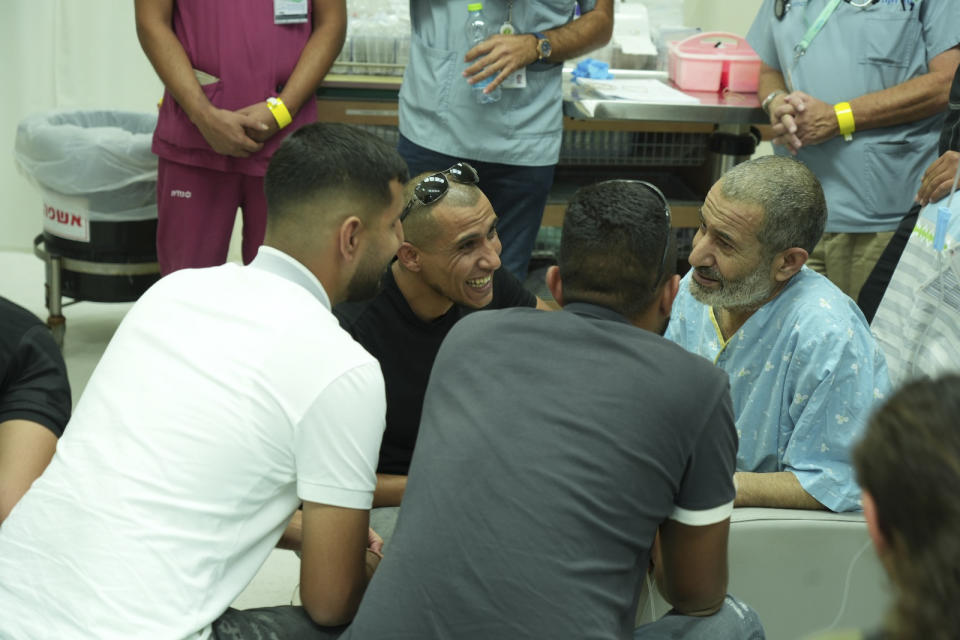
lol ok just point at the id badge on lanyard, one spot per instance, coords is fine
(517, 79)
(801, 47)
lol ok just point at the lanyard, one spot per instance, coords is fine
(814, 29)
(507, 27)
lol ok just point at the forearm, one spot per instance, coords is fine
(686, 608)
(26, 448)
(389, 491)
(914, 99)
(590, 31)
(918, 98)
(663, 588)
(336, 563)
(690, 566)
(322, 48)
(778, 490)
(292, 537)
(770, 80)
(168, 57)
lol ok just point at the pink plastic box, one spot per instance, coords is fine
(713, 60)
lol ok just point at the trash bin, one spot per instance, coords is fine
(97, 178)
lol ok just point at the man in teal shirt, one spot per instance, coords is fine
(878, 72)
(514, 143)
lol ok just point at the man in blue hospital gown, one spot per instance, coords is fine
(804, 370)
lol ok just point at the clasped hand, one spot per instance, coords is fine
(799, 119)
(238, 133)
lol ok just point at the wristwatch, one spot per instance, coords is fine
(543, 46)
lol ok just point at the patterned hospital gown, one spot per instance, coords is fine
(805, 373)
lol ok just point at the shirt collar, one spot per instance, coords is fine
(588, 309)
(280, 264)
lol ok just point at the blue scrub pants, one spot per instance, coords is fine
(518, 195)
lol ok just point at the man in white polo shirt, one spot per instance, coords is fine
(227, 397)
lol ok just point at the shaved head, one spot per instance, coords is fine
(421, 226)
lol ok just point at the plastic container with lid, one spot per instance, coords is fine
(713, 61)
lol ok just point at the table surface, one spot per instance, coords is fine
(727, 107)
(714, 107)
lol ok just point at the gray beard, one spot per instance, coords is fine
(749, 292)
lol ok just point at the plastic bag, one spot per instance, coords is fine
(95, 160)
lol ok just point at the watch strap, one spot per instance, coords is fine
(541, 38)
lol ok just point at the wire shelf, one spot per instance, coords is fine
(637, 148)
(387, 133)
(373, 55)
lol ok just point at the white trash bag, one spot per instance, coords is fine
(89, 166)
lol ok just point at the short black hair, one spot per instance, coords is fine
(329, 159)
(612, 246)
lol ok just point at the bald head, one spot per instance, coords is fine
(421, 226)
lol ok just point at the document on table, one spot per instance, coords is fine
(645, 90)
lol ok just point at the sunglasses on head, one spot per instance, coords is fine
(435, 186)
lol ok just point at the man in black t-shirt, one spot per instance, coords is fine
(447, 267)
(34, 401)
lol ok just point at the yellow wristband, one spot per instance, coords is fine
(845, 120)
(279, 111)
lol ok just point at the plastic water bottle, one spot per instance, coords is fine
(477, 32)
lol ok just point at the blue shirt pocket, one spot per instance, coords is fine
(893, 50)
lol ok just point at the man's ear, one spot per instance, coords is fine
(788, 263)
(555, 283)
(349, 237)
(409, 256)
(669, 293)
(873, 523)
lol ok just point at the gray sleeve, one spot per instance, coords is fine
(941, 26)
(760, 36)
(706, 491)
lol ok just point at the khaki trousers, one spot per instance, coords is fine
(848, 258)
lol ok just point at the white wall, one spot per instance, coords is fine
(734, 16)
(62, 54)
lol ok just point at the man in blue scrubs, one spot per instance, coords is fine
(514, 143)
(860, 100)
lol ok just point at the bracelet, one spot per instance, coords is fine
(279, 111)
(765, 105)
(845, 120)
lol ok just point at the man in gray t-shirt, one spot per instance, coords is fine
(554, 446)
